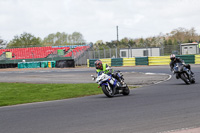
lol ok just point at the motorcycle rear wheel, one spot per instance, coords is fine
(106, 91)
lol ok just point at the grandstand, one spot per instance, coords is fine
(42, 53)
(77, 51)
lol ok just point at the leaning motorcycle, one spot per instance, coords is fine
(110, 85)
(184, 73)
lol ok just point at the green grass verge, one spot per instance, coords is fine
(19, 93)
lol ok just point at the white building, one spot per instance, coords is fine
(139, 52)
(189, 48)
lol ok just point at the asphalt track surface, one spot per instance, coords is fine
(77, 75)
(164, 107)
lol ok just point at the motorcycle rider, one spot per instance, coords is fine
(175, 60)
(103, 67)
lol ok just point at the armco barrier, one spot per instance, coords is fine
(116, 61)
(141, 61)
(128, 61)
(189, 59)
(159, 60)
(197, 59)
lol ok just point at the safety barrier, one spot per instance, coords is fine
(88, 63)
(43, 64)
(189, 59)
(34, 60)
(141, 60)
(160, 60)
(113, 62)
(128, 61)
(117, 62)
(107, 61)
(197, 59)
(91, 62)
(65, 63)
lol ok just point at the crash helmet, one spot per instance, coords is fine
(98, 64)
(172, 57)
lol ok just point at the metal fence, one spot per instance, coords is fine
(91, 53)
(115, 53)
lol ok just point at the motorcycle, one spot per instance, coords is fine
(110, 85)
(184, 73)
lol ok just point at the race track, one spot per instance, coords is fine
(166, 106)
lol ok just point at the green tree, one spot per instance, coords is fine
(25, 40)
(60, 39)
(132, 43)
(57, 39)
(175, 42)
(169, 42)
(49, 40)
(165, 42)
(124, 41)
(77, 38)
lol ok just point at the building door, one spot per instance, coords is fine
(185, 50)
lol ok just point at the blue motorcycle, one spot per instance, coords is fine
(110, 85)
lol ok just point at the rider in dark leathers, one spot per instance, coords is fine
(175, 60)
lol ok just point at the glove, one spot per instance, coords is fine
(93, 77)
(173, 71)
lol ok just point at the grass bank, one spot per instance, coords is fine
(19, 93)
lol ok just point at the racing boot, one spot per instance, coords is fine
(115, 90)
(177, 77)
(192, 73)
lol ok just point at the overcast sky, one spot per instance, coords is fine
(97, 19)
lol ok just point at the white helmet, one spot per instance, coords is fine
(172, 56)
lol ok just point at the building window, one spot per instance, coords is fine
(123, 53)
(145, 53)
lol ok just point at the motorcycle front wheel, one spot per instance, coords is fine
(108, 92)
(184, 78)
(192, 80)
(126, 91)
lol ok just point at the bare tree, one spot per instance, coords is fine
(3, 43)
